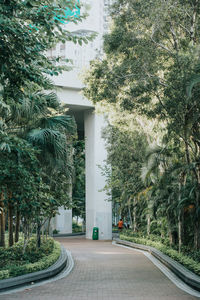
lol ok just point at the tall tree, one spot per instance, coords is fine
(152, 57)
(29, 110)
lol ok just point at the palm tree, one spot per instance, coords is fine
(43, 122)
(158, 171)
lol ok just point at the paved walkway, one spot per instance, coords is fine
(105, 272)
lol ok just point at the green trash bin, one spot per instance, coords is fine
(95, 235)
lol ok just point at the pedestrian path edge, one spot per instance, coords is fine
(183, 273)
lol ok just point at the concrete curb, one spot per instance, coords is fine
(53, 270)
(187, 276)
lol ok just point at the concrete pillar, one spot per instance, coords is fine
(98, 209)
(63, 222)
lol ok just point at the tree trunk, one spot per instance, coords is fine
(2, 221)
(148, 224)
(17, 226)
(129, 212)
(172, 237)
(134, 215)
(42, 231)
(25, 230)
(180, 214)
(48, 227)
(10, 224)
(182, 182)
(171, 231)
(2, 227)
(38, 235)
(180, 229)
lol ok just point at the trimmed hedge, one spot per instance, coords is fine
(186, 261)
(41, 264)
(4, 274)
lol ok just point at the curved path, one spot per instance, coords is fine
(105, 272)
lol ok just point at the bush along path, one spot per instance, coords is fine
(188, 262)
(14, 261)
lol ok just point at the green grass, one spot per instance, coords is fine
(186, 261)
(14, 263)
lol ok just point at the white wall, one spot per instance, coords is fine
(98, 209)
(73, 96)
(63, 221)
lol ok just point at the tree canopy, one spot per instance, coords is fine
(36, 132)
(151, 71)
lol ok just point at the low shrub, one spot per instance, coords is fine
(186, 261)
(76, 227)
(195, 254)
(152, 237)
(4, 274)
(16, 263)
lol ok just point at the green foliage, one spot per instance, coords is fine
(78, 193)
(126, 151)
(36, 134)
(150, 74)
(15, 263)
(152, 237)
(186, 261)
(30, 66)
(76, 227)
(20, 174)
(4, 274)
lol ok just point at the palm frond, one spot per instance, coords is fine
(59, 121)
(33, 106)
(51, 99)
(49, 140)
(5, 147)
(27, 109)
(153, 149)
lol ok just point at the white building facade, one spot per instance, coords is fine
(69, 86)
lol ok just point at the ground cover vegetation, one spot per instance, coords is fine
(36, 134)
(147, 83)
(14, 262)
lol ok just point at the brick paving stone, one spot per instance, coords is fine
(105, 272)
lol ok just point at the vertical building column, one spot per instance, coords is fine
(63, 221)
(98, 209)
